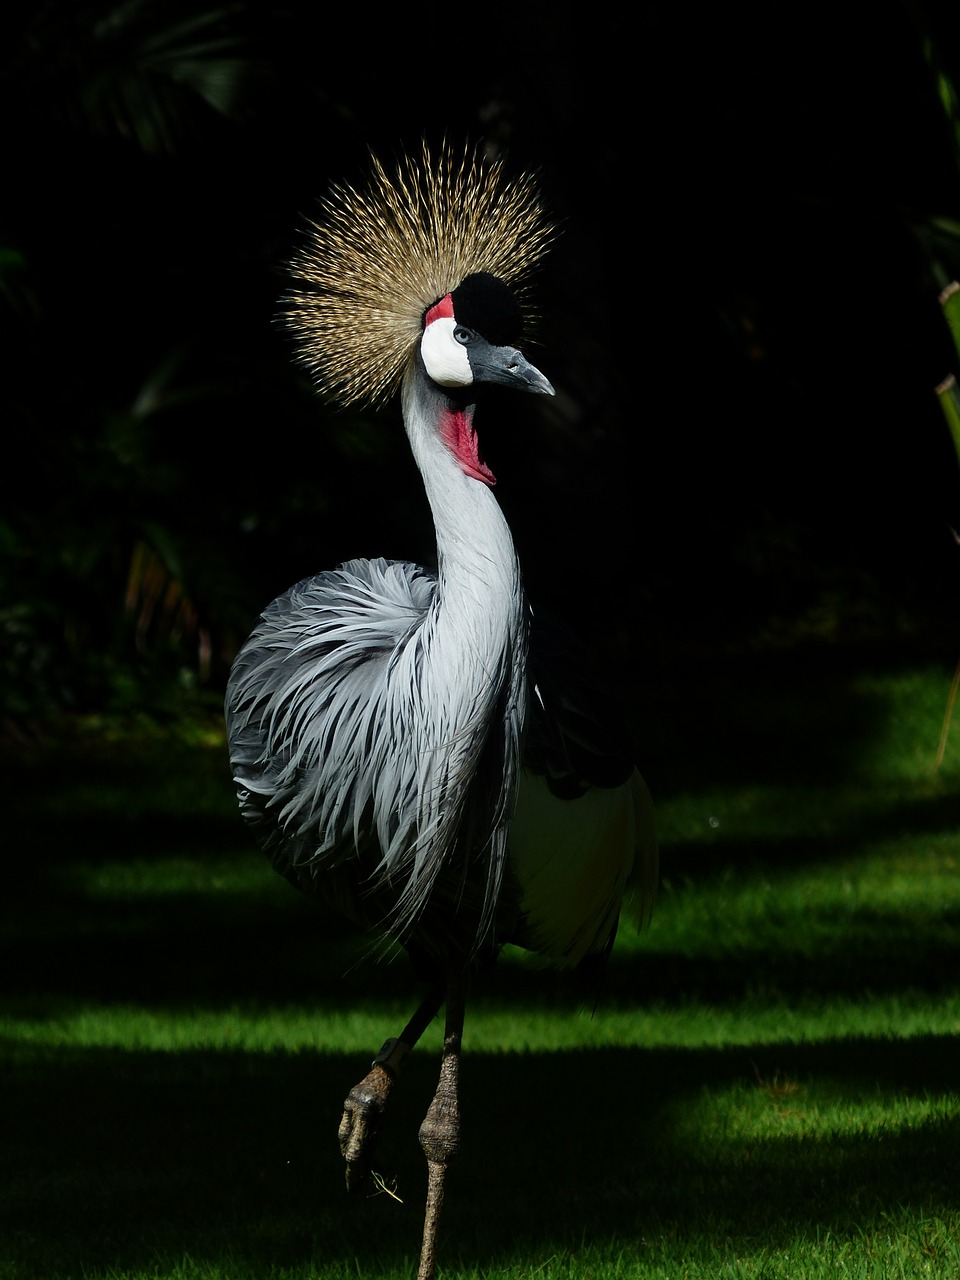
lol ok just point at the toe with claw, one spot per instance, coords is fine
(363, 1113)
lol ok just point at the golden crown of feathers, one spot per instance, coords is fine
(379, 254)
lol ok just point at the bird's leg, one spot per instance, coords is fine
(440, 1131)
(365, 1104)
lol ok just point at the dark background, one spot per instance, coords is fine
(745, 463)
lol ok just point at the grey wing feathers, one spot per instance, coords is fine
(305, 710)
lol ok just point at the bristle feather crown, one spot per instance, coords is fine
(379, 255)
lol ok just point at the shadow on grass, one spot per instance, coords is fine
(194, 950)
(132, 1160)
(806, 718)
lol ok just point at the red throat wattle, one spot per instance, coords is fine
(456, 430)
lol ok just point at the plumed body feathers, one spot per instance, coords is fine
(355, 804)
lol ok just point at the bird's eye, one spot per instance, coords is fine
(463, 335)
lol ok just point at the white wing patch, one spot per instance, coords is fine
(575, 859)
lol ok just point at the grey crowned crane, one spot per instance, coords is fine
(421, 750)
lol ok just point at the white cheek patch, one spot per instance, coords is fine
(444, 358)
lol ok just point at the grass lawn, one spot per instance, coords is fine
(770, 1086)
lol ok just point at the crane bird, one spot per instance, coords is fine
(423, 751)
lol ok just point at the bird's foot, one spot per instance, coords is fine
(363, 1113)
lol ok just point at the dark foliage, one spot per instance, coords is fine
(741, 317)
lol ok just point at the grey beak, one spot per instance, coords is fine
(508, 367)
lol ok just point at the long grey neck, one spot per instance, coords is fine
(480, 583)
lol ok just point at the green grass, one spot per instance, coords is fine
(768, 1087)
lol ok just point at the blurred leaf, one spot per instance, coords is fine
(138, 68)
(948, 226)
(946, 90)
(947, 391)
(162, 609)
(950, 302)
(146, 53)
(949, 397)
